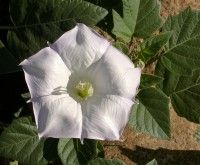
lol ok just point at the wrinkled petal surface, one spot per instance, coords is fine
(80, 47)
(44, 72)
(115, 74)
(52, 75)
(58, 116)
(104, 117)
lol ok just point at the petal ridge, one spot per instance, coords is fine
(80, 47)
(44, 72)
(104, 117)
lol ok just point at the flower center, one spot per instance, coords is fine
(84, 90)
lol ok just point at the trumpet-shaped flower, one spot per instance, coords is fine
(81, 87)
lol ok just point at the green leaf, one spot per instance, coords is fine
(183, 50)
(100, 150)
(7, 61)
(20, 142)
(120, 28)
(101, 161)
(140, 19)
(40, 21)
(153, 162)
(184, 92)
(88, 150)
(67, 152)
(152, 47)
(151, 115)
(50, 150)
(31, 12)
(73, 152)
(150, 80)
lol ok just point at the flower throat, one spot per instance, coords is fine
(84, 90)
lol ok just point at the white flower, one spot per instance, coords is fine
(81, 87)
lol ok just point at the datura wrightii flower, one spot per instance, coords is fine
(81, 87)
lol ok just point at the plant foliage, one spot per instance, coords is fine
(20, 142)
(135, 22)
(174, 50)
(182, 54)
(149, 116)
(39, 22)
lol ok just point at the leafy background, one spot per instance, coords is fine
(182, 147)
(156, 123)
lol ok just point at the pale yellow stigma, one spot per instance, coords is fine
(84, 90)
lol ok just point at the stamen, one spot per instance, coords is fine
(84, 90)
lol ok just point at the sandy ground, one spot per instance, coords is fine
(182, 148)
(171, 7)
(138, 148)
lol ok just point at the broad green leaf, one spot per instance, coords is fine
(183, 91)
(31, 12)
(73, 152)
(7, 61)
(150, 80)
(148, 19)
(151, 115)
(183, 49)
(67, 152)
(152, 47)
(140, 19)
(88, 150)
(107, 23)
(101, 161)
(100, 150)
(120, 29)
(50, 151)
(37, 22)
(153, 162)
(20, 142)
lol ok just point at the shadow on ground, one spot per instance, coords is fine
(141, 156)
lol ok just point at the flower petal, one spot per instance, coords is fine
(58, 116)
(115, 74)
(44, 72)
(80, 47)
(104, 118)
